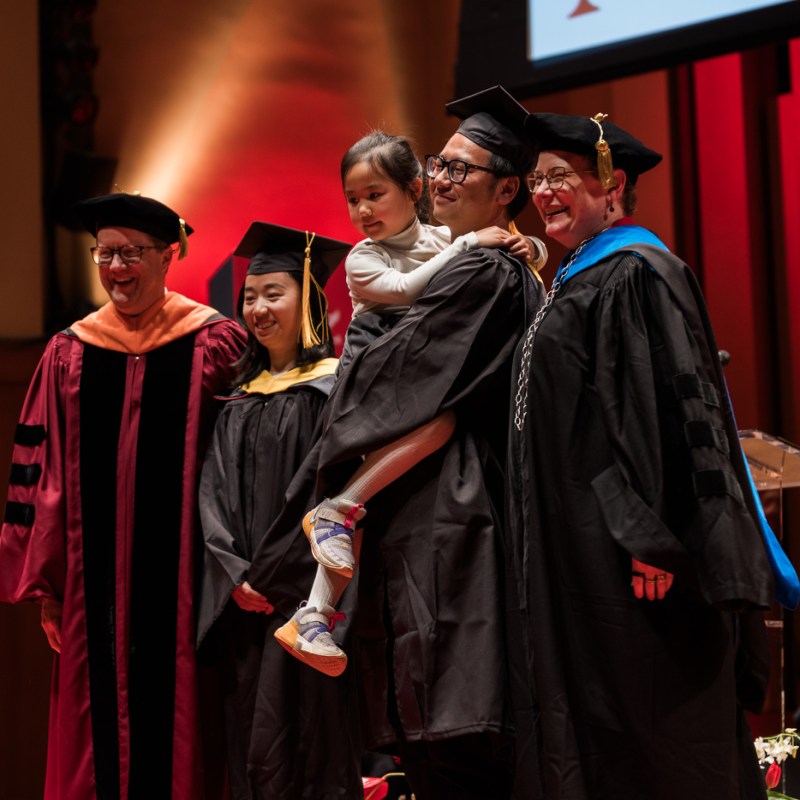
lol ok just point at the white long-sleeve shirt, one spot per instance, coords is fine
(388, 276)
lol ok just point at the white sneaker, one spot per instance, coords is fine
(330, 528)
(307, 636)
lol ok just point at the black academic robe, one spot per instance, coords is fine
(430, 648)
(290, 731)
(630, 449)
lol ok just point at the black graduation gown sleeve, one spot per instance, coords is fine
(447, 352)
(672, 497)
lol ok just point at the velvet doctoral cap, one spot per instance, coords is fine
(494, 120)
(133, 211)
(582, 135)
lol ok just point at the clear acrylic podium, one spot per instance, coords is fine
(774, 462)
(775, 465)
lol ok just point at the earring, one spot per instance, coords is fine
(611, 205)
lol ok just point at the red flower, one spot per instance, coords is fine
(773, 775)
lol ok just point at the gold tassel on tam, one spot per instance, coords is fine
(605, 166)
(183, 240)
(309, 335)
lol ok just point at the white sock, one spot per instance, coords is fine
(327, 589)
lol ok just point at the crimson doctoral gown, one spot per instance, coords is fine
(101, 517)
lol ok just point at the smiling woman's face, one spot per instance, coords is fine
(579, 209)
(271, 310)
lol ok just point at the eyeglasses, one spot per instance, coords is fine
(129, 254)
(554, 177)
(457, 170)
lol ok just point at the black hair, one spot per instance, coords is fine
(255, 357)
(503, 168)
(394, 158)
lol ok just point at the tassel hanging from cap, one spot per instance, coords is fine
(183, 239)
(605, 166)
(309, 333)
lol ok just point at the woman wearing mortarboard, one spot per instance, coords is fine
(290, 731)
(642, 533)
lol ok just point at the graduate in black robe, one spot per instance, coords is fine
(642, 554)
(290, 732)
(431, 630)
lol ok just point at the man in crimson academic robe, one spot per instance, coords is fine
(100, 517)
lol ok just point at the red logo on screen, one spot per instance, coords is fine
(584, 7)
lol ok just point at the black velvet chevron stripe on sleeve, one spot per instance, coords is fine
(29, 435)
(25, 474)
(19, 513)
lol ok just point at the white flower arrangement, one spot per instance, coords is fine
(772, 751)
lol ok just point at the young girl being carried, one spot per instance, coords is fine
(384, 186)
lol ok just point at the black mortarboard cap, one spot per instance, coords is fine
(574, 134)
(275, 248)
(494, 120)
(133, 211)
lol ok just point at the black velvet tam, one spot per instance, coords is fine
(574, 134)
(131, 211)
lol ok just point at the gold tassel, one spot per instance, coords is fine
(309, 336)
(183, 240)
(605, 166)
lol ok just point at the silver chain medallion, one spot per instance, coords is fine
(521, 399)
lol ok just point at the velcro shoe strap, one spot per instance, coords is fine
(314, 616)
(331, 514)
(344, 513)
